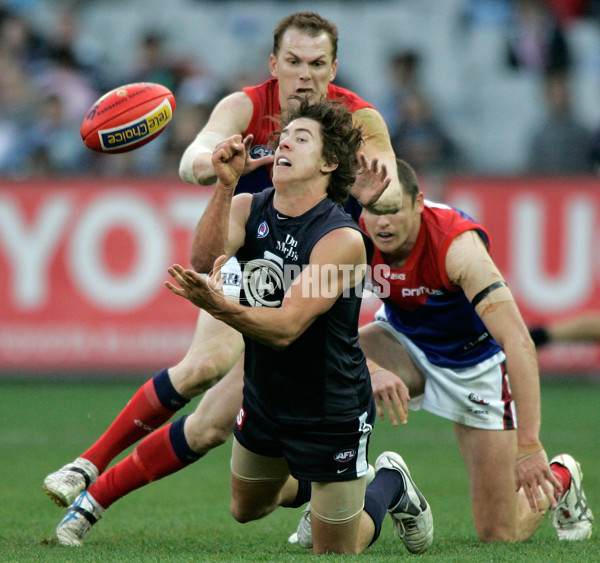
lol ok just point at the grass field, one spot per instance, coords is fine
(185, 517)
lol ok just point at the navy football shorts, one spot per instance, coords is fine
(316, 453)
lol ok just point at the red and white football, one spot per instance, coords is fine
(128, 117)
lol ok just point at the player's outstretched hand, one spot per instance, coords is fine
(371, 180)
(390, 393)
(533, 473)
(204, 292)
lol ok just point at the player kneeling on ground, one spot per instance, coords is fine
(457, 346)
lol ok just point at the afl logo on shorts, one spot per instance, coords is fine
(344, 456)
(263, 230)
(263, 283)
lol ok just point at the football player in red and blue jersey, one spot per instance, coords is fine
(450, 336)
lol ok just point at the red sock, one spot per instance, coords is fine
(142, 415)
(151, 460)
(563, 475)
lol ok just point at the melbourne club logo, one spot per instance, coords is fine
(258, 151)
(477, 399)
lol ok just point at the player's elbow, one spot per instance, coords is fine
(519, 343)
(280, 342)
(186, 172)
(284, 338)
(201, 259)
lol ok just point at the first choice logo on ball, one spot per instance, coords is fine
(135, 131)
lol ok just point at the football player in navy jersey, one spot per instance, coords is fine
(451, 330)
(307, 410)
(303, 62)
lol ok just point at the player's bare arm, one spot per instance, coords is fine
(394, 376)
(377, 145)
(231, 116)
(340, 252)
(221, 229)
(470, 266)
(390, 393)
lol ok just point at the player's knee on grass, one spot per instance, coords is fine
(254, 505)
(257, 483)
(496, 531)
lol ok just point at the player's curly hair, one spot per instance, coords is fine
(341, 140)
(310, 23)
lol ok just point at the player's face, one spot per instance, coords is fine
(299, 154)
(395, 235)
(303, 66)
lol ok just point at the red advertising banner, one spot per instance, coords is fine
(83, 264)
(545, 236)
(82, 267)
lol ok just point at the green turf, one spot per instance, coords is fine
(185, 517)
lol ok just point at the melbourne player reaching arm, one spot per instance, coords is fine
(379, 155)
(231, 116)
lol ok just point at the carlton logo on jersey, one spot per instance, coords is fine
(263, 282)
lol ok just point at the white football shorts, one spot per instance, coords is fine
(477, 396)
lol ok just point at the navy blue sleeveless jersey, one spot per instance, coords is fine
(322, 377)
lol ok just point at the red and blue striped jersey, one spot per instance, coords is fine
(423, 304)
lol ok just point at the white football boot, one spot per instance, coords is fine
(80, 517)
(573, 517)
(303, 535)
(65, 485)
(412, 515)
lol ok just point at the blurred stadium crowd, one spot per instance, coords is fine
(533, 63)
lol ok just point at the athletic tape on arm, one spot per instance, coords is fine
(484, 292)
(469, 265)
